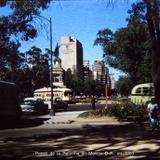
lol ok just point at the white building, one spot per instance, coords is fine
(71, 54)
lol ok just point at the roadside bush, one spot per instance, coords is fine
(126, 110)
(97, 113)
(121, 111)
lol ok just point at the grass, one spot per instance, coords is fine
(93, 114)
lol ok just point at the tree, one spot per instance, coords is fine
(124, 86)
(19, 22)
(39, 67)
(152, 16)
(89, 85)
(73, 80)
(15, 28)
(78, 83)
(21, 25)
(68, 78)
(128, 49)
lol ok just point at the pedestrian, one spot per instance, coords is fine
(152, 109)
(93, 101)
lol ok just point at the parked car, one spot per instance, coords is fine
(34, 105)
(58, 103)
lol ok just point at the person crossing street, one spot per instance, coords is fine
(153, 110)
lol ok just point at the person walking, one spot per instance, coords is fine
(93, 101)
(153, 109)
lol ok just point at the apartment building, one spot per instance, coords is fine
(100, 72)
(71, 51)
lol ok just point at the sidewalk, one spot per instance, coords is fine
(71, 117)
(85, 139)
(106, 138)
(62, 118)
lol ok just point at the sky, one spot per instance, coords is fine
(81, 19)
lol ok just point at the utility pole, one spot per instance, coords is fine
(52, 112)
(51, 76)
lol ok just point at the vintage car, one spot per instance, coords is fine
(34, 105)
(58, 103)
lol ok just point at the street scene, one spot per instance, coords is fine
(79, 79)
(65, 136)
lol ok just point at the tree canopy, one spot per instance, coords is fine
(16, 27)
(128, 49)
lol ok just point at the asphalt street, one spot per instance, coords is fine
(78, 140)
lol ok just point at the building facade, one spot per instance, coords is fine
(86, 69)
(71, 51)
(100, 72)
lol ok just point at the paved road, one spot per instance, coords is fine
(33, 124)
(78, 140)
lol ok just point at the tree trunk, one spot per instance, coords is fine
(152, 17)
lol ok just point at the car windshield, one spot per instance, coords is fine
(29, 102)
(68, 93)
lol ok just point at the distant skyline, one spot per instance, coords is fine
(82, 20)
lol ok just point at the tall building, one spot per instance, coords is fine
(100, 72)
(86, 69)
(86, 63)
(71, 54)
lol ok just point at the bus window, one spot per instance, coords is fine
(146, 90)
(138, 91)
(48, 95)
(152, 91)
(67, 93)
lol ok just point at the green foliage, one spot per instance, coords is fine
(17, 27)
(68, 78)
(39, 67)
(93, 114)
(88, 86)
(92, 87)
(125, 110)
(124, 86)
(19, 22)
(122, 111)
(129, 48)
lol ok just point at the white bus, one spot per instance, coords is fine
(45, 93)
(142, 93)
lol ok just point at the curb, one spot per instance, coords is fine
(67, 122)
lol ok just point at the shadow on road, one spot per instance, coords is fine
(89, 142)
(22, 122)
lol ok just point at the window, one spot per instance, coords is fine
(138, 90)
(68, 93)
(146, 90)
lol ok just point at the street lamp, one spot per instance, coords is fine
(52, 112)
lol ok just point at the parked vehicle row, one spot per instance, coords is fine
(12, 109)
(39, 106)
